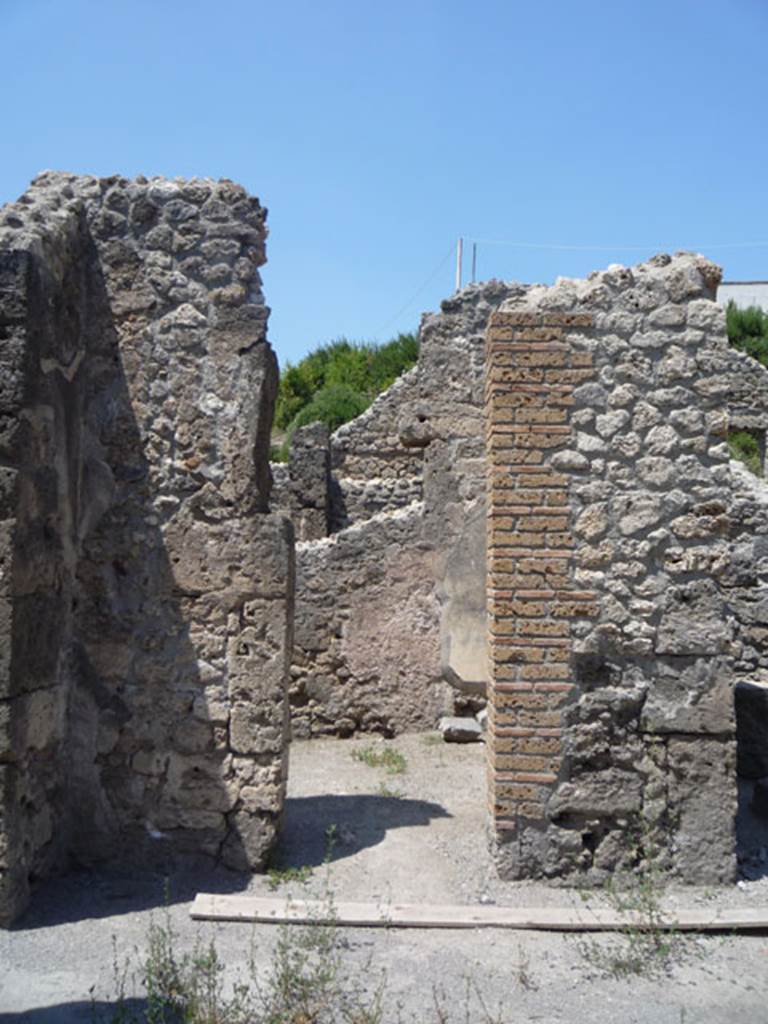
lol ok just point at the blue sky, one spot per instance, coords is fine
(377, 134)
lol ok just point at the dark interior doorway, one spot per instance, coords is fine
(752, 769)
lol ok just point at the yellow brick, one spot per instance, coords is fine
(545, 627)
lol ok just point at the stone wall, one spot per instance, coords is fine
(612, 639)
(146, 591)
(390, 620)
(743, 574)
(302, 487)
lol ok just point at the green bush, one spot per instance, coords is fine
(361, 369)
(748, 330)
(745, 447)
(333, 405)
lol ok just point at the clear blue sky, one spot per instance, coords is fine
(377, 134)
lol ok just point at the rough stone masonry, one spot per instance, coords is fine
(145, 591)
(390, 564)
(625, 575)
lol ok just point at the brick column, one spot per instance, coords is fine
(532, 370)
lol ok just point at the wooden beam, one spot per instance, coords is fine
(275, 910)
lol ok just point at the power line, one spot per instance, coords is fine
(418, 292)
(560, 247)
(553, 247)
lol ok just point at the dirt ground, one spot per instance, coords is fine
(417, 836)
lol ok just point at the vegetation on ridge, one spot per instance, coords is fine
(338, 381)
(748, 330)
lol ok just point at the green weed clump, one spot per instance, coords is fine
(388, 758)
(744, 446)
(283, 876)
(306, 981)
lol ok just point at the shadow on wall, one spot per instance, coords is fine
(318, 829)
(118, 745)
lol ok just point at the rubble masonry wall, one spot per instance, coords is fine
(146, 591)
(390, 608)
(613, 644)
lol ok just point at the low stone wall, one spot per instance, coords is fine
(355, 500)
(367, 650)
(302, 487)
(370, 446)
(146, 592)
(612, 646)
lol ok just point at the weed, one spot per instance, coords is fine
(646, 944)
(432, 739)
(474, 1008)
(745, 447)
(281, 876)
(306, 982)
(382, 757)
(523, 970)
(331, 838)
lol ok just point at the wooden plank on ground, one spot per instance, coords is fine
(276, 910)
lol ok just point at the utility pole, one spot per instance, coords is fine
(474, 261)
(459, 251)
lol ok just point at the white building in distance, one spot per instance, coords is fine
(744, 294)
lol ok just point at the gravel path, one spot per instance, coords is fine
(418, 836)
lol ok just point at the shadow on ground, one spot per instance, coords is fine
(74, 1013)
(318, 829)
(90, 894)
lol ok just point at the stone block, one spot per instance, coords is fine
(460, 730)
(690, 695)
(199, 782)
(702, 801)
(257, 730)
(694, 621)
(249, 840)
(610, 792)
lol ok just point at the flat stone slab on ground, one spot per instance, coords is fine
(460, 730)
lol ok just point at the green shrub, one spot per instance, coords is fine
(748, 330)
(745, 447)
(333, 405)
(363, 368)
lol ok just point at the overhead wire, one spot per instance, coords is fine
(554, 246)
(562, 247)
(418, 291)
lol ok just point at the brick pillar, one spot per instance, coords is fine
(532, 370)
